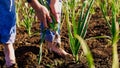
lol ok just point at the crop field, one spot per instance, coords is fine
(90, 32)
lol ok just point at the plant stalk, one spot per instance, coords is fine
(76, 58)
(115, 56)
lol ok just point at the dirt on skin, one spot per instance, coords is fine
(27, 48)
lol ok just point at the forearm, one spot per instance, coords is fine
(35, 3)
(52, 2)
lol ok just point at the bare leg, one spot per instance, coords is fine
(9, 54)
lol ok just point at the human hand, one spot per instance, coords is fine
(55, 7)
(44, 16)
(41, 12)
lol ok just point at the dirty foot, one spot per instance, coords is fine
(55, 47)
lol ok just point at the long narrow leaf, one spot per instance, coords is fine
(83, 27)
(86, 51)
(41, 42)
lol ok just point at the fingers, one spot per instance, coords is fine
(57, 17)
(56, 13)
(49, 18)
(44, 16)
(45, 21)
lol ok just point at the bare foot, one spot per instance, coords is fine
(55, 47)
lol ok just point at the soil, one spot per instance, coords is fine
(27, 48)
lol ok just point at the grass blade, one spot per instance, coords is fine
(86, 51)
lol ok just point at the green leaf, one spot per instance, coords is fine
(86, 50)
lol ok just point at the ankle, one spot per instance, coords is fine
(9, 55)
(11, 66)
(8, 64)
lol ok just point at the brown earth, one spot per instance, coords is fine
(27, 48)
